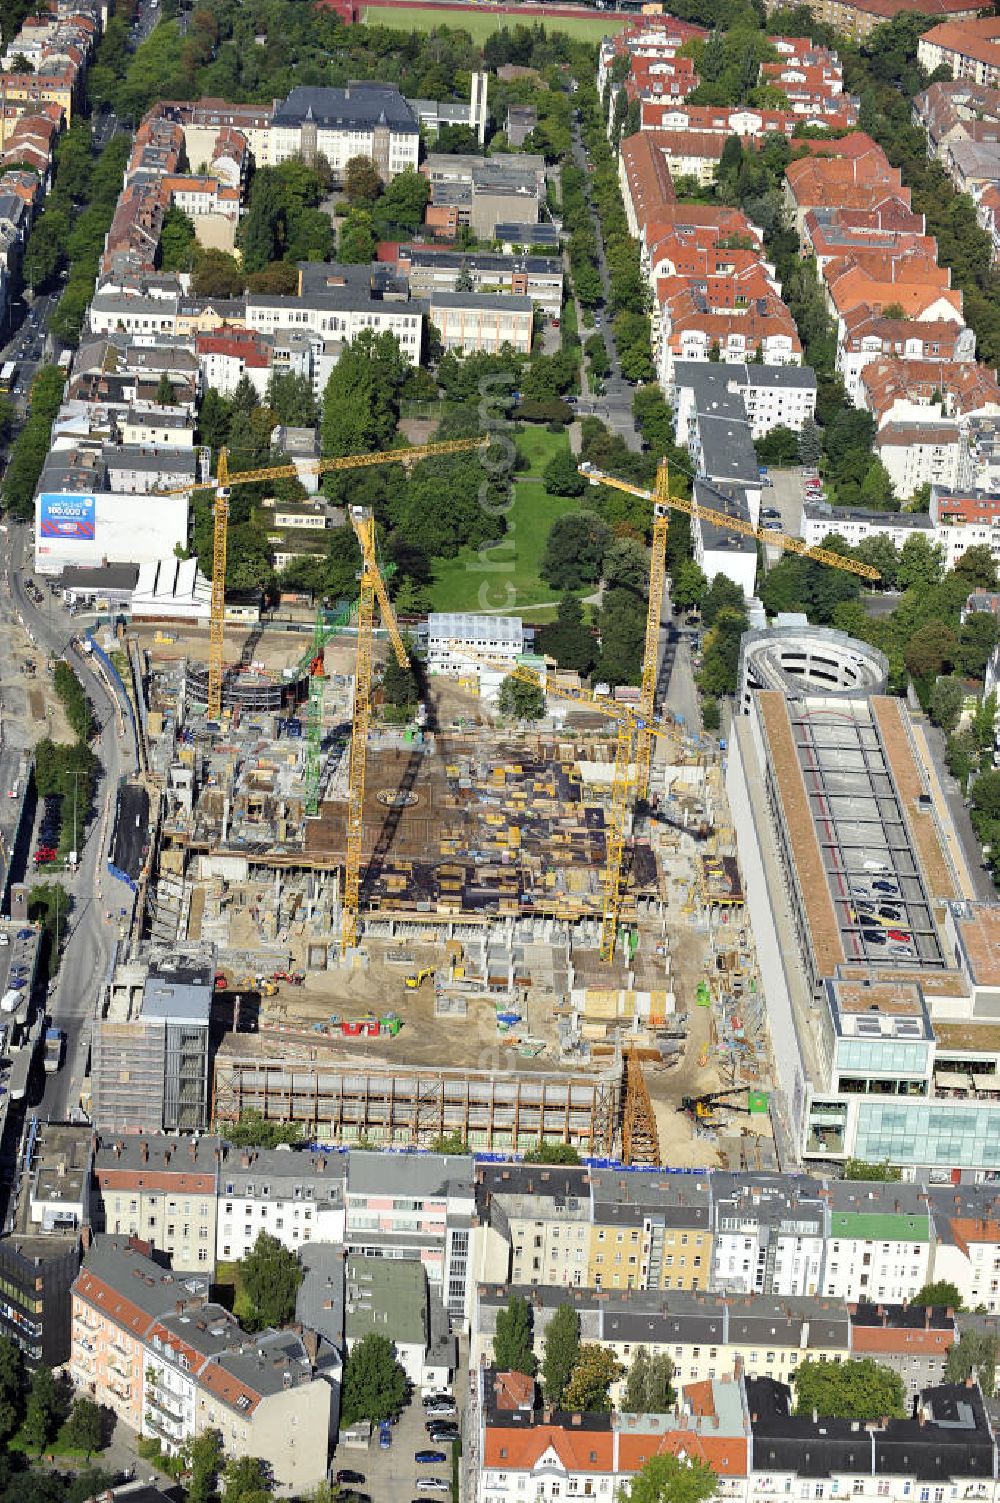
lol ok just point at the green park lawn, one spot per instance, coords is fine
(481, 23)
(474, 581)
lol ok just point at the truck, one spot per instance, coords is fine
(53, 1050)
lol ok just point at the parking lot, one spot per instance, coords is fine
(391, 1476)
(785, 494)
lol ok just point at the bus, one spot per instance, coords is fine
(8, 375)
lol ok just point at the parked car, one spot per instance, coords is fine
(385, 1435)
(345, 1475)
(433, 1485)
(429, 1458)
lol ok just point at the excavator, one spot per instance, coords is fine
(418, 980)
(701, 1109)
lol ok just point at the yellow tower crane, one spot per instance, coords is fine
(223, 483)
(725, 520)
(626, 779)
(372, 589)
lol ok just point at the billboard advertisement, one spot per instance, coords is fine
(66, 516)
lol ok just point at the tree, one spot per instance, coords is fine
(269, 1277)
(649, 1386)
(512, 1342)
(204, 1460)
(946, 701)
(977, 568)
(248, 1479)
(164, 391)
(973, 1355)
(859, 1169)
(567, 639)
(361, 400)
(574, 550)
(44, 1410)
(941, 1293)
(178, 241)
(552, 1153)
(85, 1426)
(290, 398)
(722, 653)
(562, 1348)
(779, 447)
(399, 685)
(374, 1383)
(362, 183)
(810, 443)
(520, 700)
(217, 274)
(357, 238)
(861, 1390)
(561, 476)
(919, 563)
(669, 1479)
(722, 594)
(688, 585)
(254, 1130)
(977, 638)
(930, 649)
(595, 1370)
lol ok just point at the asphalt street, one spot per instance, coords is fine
(91, 939)
(615, 406)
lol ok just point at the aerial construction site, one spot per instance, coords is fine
(456, 925)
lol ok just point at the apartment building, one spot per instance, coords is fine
(702, 1334)
(544, 1456)
(859, 18)
(967, 1245)
(335, 303)
(664, 1220)
(537, 1225)
(162, 1190)
(879, 1245)
(116, 1298)
(969, 48)
(149, 1345)
(769, 1237)
(296, 1197)
(767, 396)
(429, 270)
(913, 1340)
(415, 1207)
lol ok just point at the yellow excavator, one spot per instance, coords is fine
(421, 976)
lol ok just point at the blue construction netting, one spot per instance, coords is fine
(116, 679)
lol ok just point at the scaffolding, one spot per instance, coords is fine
(340, 1101)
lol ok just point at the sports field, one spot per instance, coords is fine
(482, 21)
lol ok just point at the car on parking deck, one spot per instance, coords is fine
(900, 936)
(873, 936)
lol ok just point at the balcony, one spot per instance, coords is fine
(87, 1322)
(120, 1390)
(87, 1346)
(123, 1351)
(160, 1404)
(123, 1369)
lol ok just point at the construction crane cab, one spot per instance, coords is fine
(419, 978)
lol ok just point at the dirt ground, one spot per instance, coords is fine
(278, 649)
(379, 987)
